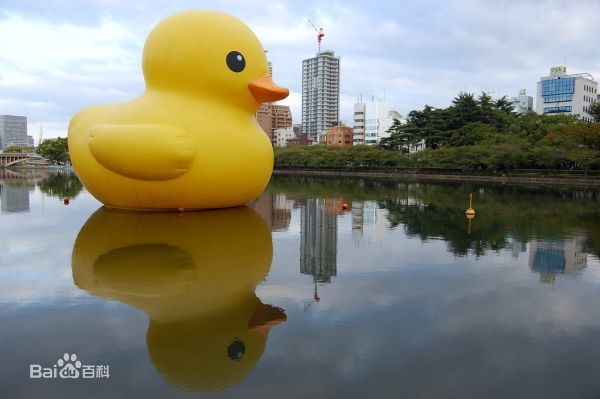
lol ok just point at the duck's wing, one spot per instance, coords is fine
(142, 151)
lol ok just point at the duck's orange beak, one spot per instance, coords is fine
(264, 90)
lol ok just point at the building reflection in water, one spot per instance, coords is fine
(369, 223)
(552, 257)
(16, 187)
(318, 241)
(195, 276)
(517, 247)
(275, 209)
(14, 197)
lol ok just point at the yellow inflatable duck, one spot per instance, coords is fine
(195, 276)
(191, 140)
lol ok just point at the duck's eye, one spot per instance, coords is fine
(235, 61)
(236, 349)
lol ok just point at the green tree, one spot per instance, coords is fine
(594, 110)
(400, 139)
(17, 149)
(575, 135)
(504, 105)
(56, 150)
(472, 133)
(465, 109)
(486, 108)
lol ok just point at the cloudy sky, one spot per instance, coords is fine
(58, 56)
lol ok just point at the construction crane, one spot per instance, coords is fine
(320, 34)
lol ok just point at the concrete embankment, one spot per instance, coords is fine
(516, 179)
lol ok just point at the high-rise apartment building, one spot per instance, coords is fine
(560, 93)
(271, 117)
(372, 121)
(282, 116)
(320, 93)
(13, 131)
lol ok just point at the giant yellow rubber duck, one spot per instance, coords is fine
(191, 140)
(195, 276)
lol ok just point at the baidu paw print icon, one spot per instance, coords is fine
(69, 366)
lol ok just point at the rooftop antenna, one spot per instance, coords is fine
(320, 34)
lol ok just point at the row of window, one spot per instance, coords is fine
(589, 88)
(586, 109)
(554, 110)
(588, 99)
(557, 98)
(558, 86)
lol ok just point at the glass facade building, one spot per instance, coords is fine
(558, 90)
(558, 86)
(558, 98)
(572, 94)
(556, 110)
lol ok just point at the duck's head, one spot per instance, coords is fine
(208, 53)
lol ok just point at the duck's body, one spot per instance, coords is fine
(191, 140)
(140, 160)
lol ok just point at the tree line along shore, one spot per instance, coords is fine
(474, 134)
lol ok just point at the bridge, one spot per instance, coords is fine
(25, 159)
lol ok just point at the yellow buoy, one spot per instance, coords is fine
(470, 211)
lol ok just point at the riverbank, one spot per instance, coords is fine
(577, 181)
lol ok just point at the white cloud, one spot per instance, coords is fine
(58, 57)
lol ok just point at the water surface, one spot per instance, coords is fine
(320, 288)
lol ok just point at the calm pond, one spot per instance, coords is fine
(322, 288)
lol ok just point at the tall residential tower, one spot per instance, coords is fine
(320, 93)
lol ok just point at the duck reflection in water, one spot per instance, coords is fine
(195, 275)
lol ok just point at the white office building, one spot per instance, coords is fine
(372, 121)
(560, 93)
(13, 131)
(523, 103)
(320, 93)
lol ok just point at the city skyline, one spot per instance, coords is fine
(57, 57)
